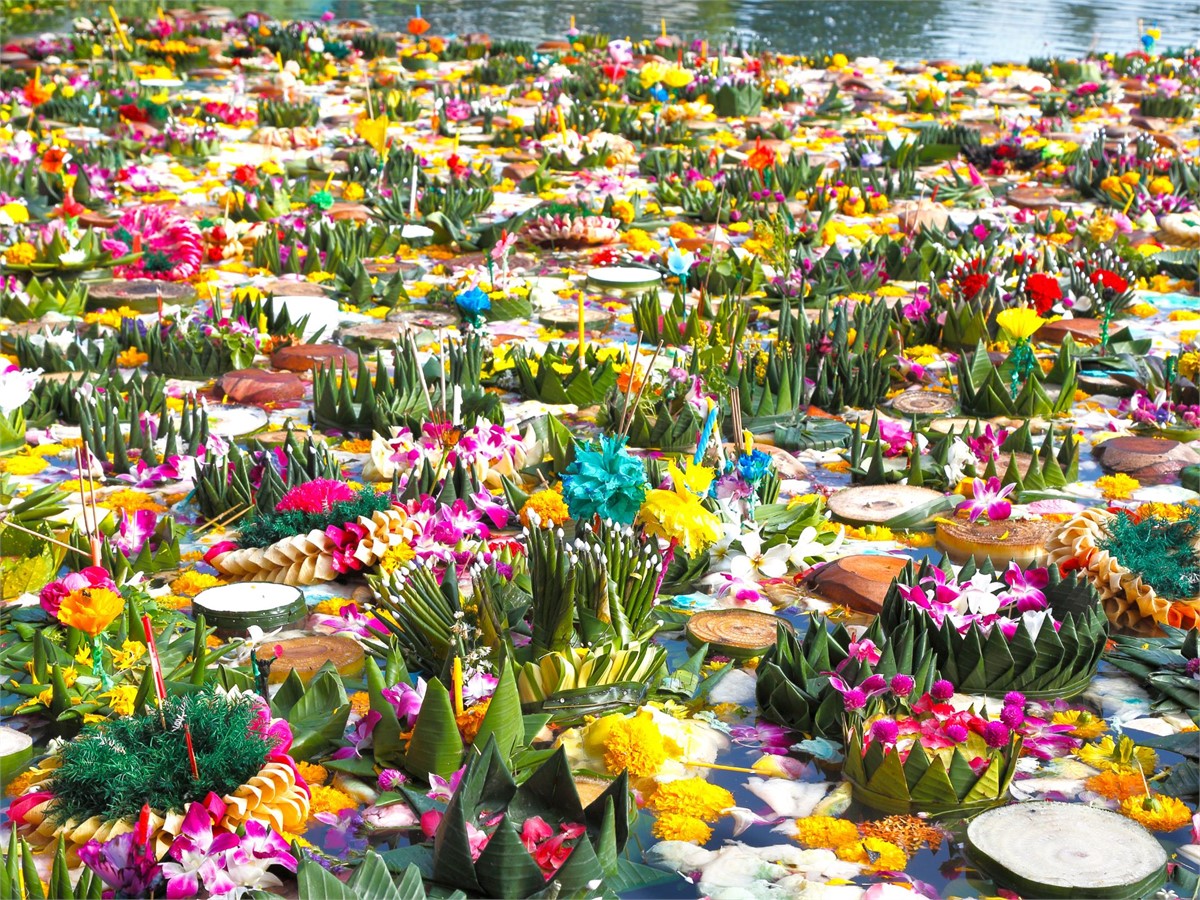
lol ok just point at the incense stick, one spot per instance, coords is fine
(642, 389)
(45, 537)
(637, 351)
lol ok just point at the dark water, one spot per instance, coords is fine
(965, 30)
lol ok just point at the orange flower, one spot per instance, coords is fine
(37, 93)
(91, 610)
(436, 45)
(417, 26)
(52, 160)
(760, 158)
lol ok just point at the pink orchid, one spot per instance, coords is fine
(989, 498)
(133, 531)
(198, 856)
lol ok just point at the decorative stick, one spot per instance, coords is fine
(582, 331)
(642, 389)
(187, 736)
(637, 351)
(45, 537)
(219, 520)
(160, 686)
(442, 370)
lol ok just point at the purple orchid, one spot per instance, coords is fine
(199, 857)
(441, 789)
(360, 736)
(145, 476)
(126, 863)
(857, 697)
(406, 700)
(342, 837)
(989, 498)
(1025, 587)
(350, 621)
(770, 738)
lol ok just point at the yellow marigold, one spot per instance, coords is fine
(20, 784)
(329, 800)
(681, 231)
(193, 582)
(131, 500)
(312, 773)
(396, 557)
(676, 827)
(640, 242)
(23, 465)
(623, 210)
(360, 703)
(172, 601)
(826, 832)
(353, 191)
(121, 699)
(1161, 185)
(1142, 310)
(634, 743)
(21, 254)
(1118, 756)
(111, 317)
(1117, 487)
(1117, 785)
(1189, 364)
(548, 507)
(1157, 812)
(356, 445)
(470, 720)
(1183, 315)
(131, 358)
(875, 855)
(692, 797)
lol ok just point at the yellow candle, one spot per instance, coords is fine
(663, 25)
(572, 21)
(581, 329)
(456, 676)
(748, 438)
(120, 29)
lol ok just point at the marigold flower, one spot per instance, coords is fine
(91, 610)
(549, 508)
(676, 827)
(875, 855)
(692, 797)
(1157, 812)
(826, 832)
(21, 254)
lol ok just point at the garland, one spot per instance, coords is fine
(265, 529)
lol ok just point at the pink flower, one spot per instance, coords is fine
(316, 496)
(990, 499)
(52, 595)
(864, 651)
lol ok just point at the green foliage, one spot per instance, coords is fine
(112, 768)
(20, 877)
(265, 528)
(1161, 552)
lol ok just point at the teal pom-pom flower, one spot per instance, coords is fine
(606, 480)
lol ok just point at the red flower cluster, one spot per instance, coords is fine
(1043, 290)
(1106, 279)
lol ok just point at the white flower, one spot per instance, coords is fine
(16, 386)
(979, 595)
(957, 459)
(72, 257)
(316, 45)
(808, 548)
(754, 564)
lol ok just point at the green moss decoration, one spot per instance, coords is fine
(115, 767)
(265, 529)
(1162, 552)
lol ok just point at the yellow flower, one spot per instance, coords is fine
(130, 652)
(548, 507)
(312, 773)
(131, 500)
(1020, 322)
(693, 797)
(681, 231)
(91, 610)
(192, 583)
(328, 800)
(17, 213)
(1161, 185)
(1116, 785)
(623, 210)
(640, 242)
(353, 191)
(121, 699)
(396, 557)
(652, 73)
(360, 703)
(826, 832)
(1117, 487)
(875, 855)
(628, 742)
(131, 358)
(21, 254)
(679, 516)
(677, 77)
(695, 478)
(373, 131)
(676, 827)
(1157, 812)
(1085, 725)
(1118, 756)
(22, 464)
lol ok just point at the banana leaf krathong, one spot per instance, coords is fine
(505, 868)
(938, 784)
(669, 424)
(540, 377)
(793, 686)
(39, 297)
(1045, 663)
(19, 874)
(79, 356)
(985, 389)
(118, 427)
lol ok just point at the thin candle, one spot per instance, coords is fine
(456, 678)
(582, 331)
(160, 686)
(187, 736)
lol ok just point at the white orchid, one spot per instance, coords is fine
(808, 548)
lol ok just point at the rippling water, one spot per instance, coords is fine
(917, 29)
(987, 30)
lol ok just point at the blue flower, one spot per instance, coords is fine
(753, 466)
(473, 302)
(679, 262)
(606, 480)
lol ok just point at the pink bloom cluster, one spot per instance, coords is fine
(172, 247)
(983, 602)
(88, 578)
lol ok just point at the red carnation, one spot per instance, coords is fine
(1106, 278)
